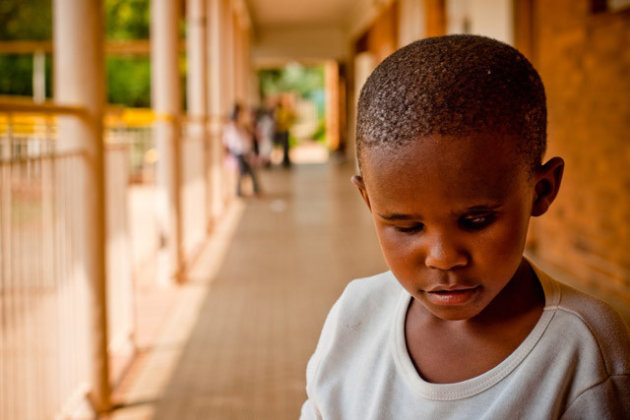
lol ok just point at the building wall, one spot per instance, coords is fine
(584, 61)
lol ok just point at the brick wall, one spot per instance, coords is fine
(584, 61)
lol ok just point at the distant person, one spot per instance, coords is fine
(284, 117)
(265, 129)
(239, 143)
(451, 133)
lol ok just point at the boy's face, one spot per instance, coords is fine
(451, 214)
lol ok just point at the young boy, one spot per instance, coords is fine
(451, 133)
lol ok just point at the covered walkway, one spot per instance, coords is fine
(211, 331)
(233, 341)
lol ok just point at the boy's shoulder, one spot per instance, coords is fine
(583, 317)
(366, 306)
(377, 291)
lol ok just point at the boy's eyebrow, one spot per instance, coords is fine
(485, 207)
(404, 217)
(398, 216)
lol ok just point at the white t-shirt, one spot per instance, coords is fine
(575, 363)
(236, 139)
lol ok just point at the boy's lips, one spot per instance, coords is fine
(455, 295)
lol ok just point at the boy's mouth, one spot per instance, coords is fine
(457, 295)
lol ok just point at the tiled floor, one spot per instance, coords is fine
(233, 343)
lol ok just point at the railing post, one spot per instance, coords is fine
(79, 81)
(166, 101)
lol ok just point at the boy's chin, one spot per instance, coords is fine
(450, 313)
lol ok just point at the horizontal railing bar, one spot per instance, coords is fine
(139, 47)
(8, 105)
(46, 156)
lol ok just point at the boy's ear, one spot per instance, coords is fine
(548, 179)
(357, 180)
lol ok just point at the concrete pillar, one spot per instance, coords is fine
(435, 13)
(218, 104)
(79, 80)
(247, 64)
(412, 21)
(166, 101)
(196, 50)
(197, 88)
(331, 79)
(229, 53)
(241, 61)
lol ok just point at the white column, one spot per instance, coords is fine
(331, 80)
(79, 80)
(218, 103)
(412, 21)
(197, 90)
(196, 49)
(246, 70)
(229, 54)
(166, 102)
(239, 62)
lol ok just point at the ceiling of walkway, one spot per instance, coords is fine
(283, 13)
(285, 30)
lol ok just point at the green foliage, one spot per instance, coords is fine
(127, 19)
(308, 82)
(293, 77)
(12, 70)
(129, 81)
(320, 133)
(25, 20)
(128, 78)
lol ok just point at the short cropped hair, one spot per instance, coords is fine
(454, 85)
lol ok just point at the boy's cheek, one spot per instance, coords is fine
(397, 246)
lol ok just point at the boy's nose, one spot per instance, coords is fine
(444, 255)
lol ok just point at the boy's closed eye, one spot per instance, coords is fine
(476, 221)
(410, 229)
(467, 222)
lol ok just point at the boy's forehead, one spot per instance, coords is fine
(476, 164)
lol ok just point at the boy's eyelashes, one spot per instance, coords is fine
(476, 221)
(469, 222)
(410, 229)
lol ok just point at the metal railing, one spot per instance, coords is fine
(44, 350)
(44, 346)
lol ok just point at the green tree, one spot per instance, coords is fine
(23, 20)
(127, 19)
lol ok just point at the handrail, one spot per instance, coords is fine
(17, 105)
(133, 47)
(10, 104)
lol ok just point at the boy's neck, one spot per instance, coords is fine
(451, 351)
(520, 296)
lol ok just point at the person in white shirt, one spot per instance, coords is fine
(238, 141)
(451, 134)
